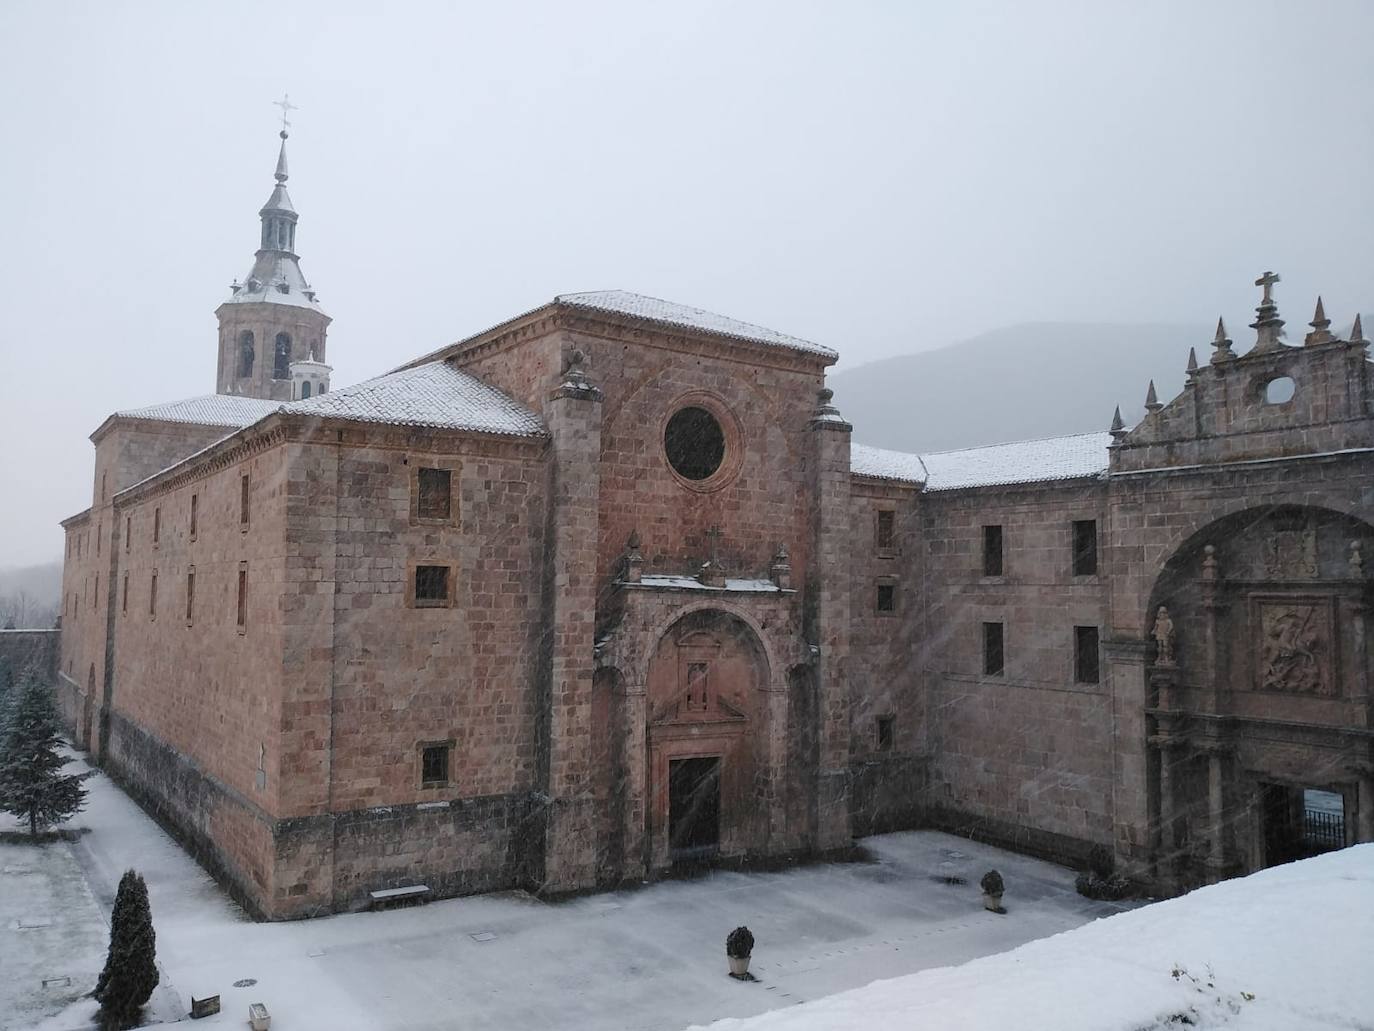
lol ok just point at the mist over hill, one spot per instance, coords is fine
(1022, 382)
(30, 596)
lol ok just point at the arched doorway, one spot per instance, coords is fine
(1258, 693)
(706, 749)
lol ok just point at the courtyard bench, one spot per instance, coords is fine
(383, 897)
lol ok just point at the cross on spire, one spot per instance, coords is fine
(1267, 281)
(286, 108)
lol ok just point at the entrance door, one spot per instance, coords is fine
(693, 807)
(1301, 822)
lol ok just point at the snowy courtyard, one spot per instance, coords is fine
(648, 958)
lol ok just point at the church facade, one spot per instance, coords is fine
(608, 588)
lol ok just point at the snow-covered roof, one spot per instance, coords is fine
(652, 309)
(691, 583)
(275, 278)
(436, 394)
(227, 410)
(1078, 456)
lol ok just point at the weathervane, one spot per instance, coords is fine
(286, 108)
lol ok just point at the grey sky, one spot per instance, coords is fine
(881, 178)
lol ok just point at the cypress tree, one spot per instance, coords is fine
(130, 973)
(32, 785)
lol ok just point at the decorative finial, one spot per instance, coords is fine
(826, 411)
(780, 569)
(1118, 430)
(1192, 361)
(1319, 334)
(1357, 332)
(1209, 562)
(1152, 399)
(1356, 561)
(1222, 344)
(286, 108)
(1267, 324)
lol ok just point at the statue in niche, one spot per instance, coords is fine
(1163, 633)
(1291, 644)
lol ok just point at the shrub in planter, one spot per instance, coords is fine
(1101, 880)
(1101, 862)
(739, 946)
(992, 891)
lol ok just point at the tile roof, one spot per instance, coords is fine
(229, 410)
(436, 394)
(1078, 456)
(652, 309)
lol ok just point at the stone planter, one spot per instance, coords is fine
(992, 902)
(739, 966)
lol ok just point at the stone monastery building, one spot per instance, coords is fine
(608, 587)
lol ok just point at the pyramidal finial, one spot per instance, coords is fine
(1152, 399)
(281, 174)
(1192, 360)
(1118, 429)
(1222, 344)
(1357, 332)
(1320, 334)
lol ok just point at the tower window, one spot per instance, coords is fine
(247, 353)
(992, 551)
(157, 525)
(431, 586)
(1087, 667)
(994, 660)
(190, 594)
(305, 390)
(281, 366)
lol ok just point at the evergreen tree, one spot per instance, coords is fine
(32, 784)
(6, 688)
(130, 973)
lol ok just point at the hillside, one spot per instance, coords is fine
(1022, 382)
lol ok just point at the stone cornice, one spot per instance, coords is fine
(75, 520)
(251, 440)
(1245, 463)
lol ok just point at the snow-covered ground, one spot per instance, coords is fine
(650, 958)
(1287, 949)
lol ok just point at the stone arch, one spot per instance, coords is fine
(707, 720)
(1252, 683)
(656, 631)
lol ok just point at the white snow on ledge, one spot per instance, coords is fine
(1285, 948)
(1080, 456)
(689, 583)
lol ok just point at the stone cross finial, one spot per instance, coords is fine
(286, 108)
(1267, 325)
(1267, 281)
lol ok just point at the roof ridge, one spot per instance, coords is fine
(1024, 440)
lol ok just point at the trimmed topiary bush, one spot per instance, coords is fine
(991, 883)
(739, 943)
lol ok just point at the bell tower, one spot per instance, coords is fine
(272, 319)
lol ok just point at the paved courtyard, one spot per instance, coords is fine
(651, 958)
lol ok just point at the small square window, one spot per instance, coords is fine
(434, 766)
(994, 659)
(992, 551)
(1085, 547)
(887, 597)
(431, 586)
(1087, 666)
(435, 494)
(886, 727)
(886, 531)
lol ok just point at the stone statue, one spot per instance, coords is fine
(1163, 634)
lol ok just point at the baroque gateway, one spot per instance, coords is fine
(607, 587)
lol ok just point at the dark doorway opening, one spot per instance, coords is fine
(693, 808)
(1300, 822)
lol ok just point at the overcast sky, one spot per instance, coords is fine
(878, 177)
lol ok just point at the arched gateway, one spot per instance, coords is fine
(1259, 692)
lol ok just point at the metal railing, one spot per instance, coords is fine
(1323, 830)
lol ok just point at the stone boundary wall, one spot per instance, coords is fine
(1031, 841)
(31, 648)
(888, 794)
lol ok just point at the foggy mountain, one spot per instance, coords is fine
(31, 595)
(1025, 381)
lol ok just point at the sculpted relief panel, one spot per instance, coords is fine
(1295, 645)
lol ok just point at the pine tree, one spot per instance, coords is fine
(32, 784)
(130, 973)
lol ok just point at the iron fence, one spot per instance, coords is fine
(1323, 830)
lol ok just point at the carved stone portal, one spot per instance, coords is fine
(1291, 553)
(1295, 646)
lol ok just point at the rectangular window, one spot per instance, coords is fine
(96, 594)
(1085, 547)
(195, 499)
(887, 597)
(431, 586)
(886, 732)
(152, 597)
(435, 498)
(124, 603)
(1087, 668)
(157, 525)
(993, 656)
(128, 531)
(243, 598)
(992, 551)
(886, 531)
(190, 593)
(434, 766)
(243, 500)
(99, 533)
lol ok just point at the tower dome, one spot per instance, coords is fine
(309, 378)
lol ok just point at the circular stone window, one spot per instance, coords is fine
(694, 443)
(1279, 391)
